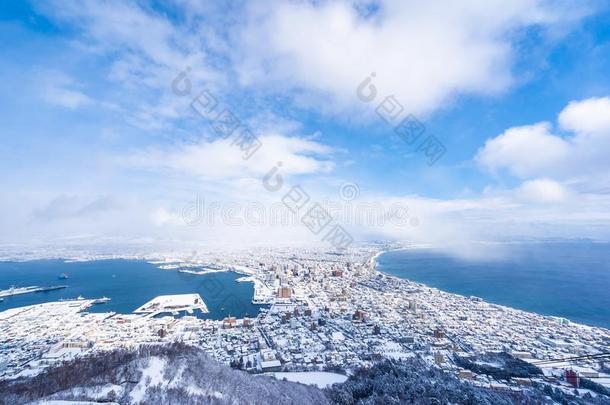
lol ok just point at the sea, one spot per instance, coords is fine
(569, 280)
(128, 283)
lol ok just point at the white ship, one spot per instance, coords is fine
(102, 300)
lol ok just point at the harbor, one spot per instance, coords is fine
(129, 284)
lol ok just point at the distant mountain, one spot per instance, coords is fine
(175, 374)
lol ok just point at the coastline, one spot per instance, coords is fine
(264, 295)
(562, 319)
(348, 309)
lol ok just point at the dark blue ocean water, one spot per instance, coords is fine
(570, 280)
(129, 284)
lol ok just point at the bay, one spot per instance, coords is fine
(128, 283)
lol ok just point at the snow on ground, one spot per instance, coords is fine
(393, 350)
(55, 402)
(4, 315)
(203, 272)
(154, 371)
(95, 392)
(172, 303)
(101, 391)
(321, 379)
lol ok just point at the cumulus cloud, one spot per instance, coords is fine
(524, 151)
(591, 116)
(539, 151)
(542, 191)
(220, 159)
(421, 52)
(316, 53)
(313, 53)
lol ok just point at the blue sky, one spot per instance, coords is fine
(95, 145)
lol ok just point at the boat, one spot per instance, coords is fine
(18, 290)
(262, 300)
(79, 298)
(51, 288)
(25, 290)
(63, 276)
(102, 300)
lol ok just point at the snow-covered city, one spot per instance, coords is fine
(327, 314)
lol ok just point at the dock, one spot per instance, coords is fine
(173, 303)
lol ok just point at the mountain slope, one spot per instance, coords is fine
(155, 375)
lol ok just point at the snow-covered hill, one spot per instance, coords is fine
(174, 374)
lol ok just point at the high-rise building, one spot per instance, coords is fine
(284, 292)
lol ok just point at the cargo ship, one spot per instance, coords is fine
(26, 290)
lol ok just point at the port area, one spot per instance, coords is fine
(173, 304)
(26, 290)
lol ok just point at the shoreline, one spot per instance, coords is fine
(342, 318)
(262, 295)
(556, 318)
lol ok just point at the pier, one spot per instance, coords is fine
(173, 303)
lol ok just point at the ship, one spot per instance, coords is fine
(102, 300)
(63, 276)
(51, 288)
(25, 290)
(79, 298)
(18, 291)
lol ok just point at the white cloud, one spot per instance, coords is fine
(67, 98)
(591, 116)
(319, 52)
(421, 52)
(221, 160)
(535, 151)
(524, 151)
(315, 53)
(538, 209)
(542, 191)
(60, 89)
(144, 49)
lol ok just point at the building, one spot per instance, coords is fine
(572, 378)
(284, 292)
(229, 322)
(269, 362)
(359, 315)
